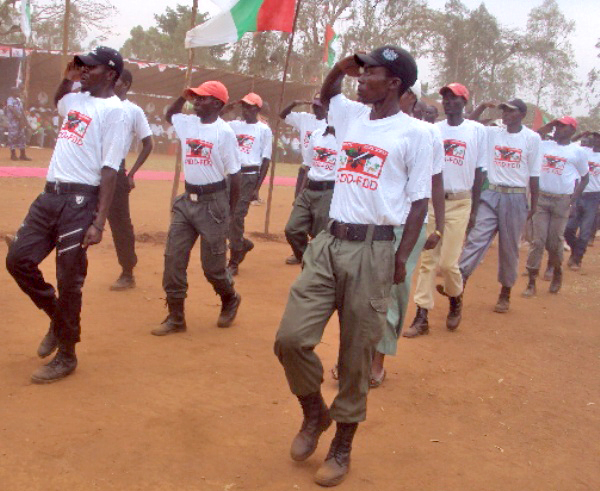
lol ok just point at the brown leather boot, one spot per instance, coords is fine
(337, 463)
(62, 365)
(503, 303)
(556, 283)
(420, 325)
(175, 321)
(455, 313)
(316, 421)
(530, 291)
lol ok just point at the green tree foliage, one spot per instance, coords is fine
(164, 42)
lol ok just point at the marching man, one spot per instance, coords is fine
(209, 154)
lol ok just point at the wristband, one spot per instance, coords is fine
(100, 229)
(438, 233)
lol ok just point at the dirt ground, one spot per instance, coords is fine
(506, 402)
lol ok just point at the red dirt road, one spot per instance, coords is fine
(507, 402)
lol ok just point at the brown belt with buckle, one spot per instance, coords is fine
(506, 189)
(320, 185)
(358, 232)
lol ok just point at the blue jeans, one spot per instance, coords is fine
(583, 219)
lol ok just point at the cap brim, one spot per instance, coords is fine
(250, 103)
(88, 60)
(363, 59)
(507, 106)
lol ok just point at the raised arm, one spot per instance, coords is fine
(332, 85)
(175, 108)
(476, 114)
(288, 109)
(72, 74)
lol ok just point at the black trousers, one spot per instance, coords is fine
(54, 221)
(119, 219)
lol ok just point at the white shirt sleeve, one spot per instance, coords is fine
(294, 119)
(534, 158)
(228, 147)
(267, 143)
(140, 125)
(419, 161)
(113, 138)
(482, 148)
(581, 164)
(65, 102)
(180, 123)
(342, 111)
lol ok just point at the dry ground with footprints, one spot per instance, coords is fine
(509, 401)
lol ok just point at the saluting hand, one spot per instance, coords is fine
(72, 72)
(349, 66)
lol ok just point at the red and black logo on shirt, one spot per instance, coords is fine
(245, 142)
(554, 165)
(307, 136)
(594, 168)
(325, 158)
(455, 151)
(198, 152)
(507, 157)
(75, 127)
(359, 158)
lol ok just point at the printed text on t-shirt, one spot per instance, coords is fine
(507, 157)
(75, 127)
(245, 142)
(454, 151)
(325, 158)
(554, 165)
(198, 152)
(358, 158)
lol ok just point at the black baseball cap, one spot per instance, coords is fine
(397, 60)
(514, 104)
(102, 55)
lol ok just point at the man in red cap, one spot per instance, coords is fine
(466, 149)
(563, 164)
(513, 162)
(586, 207)
(305, 123)
(383, 174)
(209, 155)
(71, 212)
(255, 141)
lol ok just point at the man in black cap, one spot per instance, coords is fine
(383, 174)
(514, 161)
(71, 212)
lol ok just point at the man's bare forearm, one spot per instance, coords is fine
(580, 187)
(476, 191)
(174, 109)
(108, 181)
(65, 87)
(412, 229)
(438, 200)
(235, 185)
(332, 85)
(264, 168)
(147, 146)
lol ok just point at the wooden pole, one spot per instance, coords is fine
(278, 124)
(186, 83)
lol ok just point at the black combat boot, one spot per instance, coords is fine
(503, 303)
(455, 313)
(556, 282)
(62, 365)
(50, 341)
(530, 291)
(229, 309)
(316, 421)
(337, 463)
(420, 325)
(13, 155)
(23, 156)
(175, 321)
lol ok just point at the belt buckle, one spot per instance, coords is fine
(341, 230)
(194, 197)
(56, 187)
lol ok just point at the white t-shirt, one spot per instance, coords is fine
(209, 151)
(324, 153)
(136, 125)
(513, 157)
(593, 159)
(305, 123)
(92, 136)
(255, 142)
(381, 162)
(562, 165)
(465, 149)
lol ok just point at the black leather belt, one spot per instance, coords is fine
(70, 188)
(320, 185)
(213, 187)
(358, 232)
(250, 169)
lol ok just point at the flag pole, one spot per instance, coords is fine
(278, 124)
(186, 83)
(65, 34)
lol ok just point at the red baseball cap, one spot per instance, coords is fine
(568, 120)
(253, 99)
(457, 89)
(210, 88)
